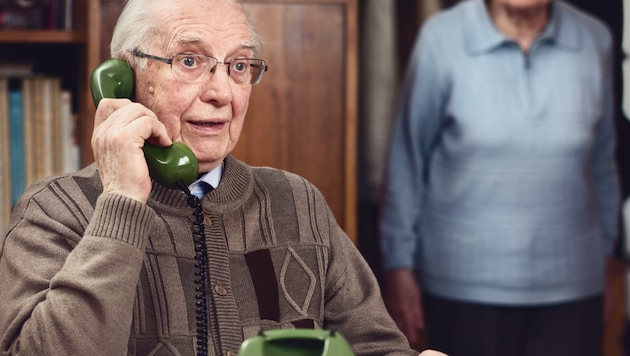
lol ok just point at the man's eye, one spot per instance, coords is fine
(240, 66)
(189, 61)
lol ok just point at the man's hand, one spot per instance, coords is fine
(120, 130)
(403, 300)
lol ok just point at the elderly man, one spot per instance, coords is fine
(107, 261)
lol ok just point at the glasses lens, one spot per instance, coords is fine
(189, 67)
(246, 70)
(258, 69)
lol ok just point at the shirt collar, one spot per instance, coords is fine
(213, 177)
(481, 35)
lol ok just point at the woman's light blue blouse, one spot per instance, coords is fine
(502, 185)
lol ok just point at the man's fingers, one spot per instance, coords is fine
(106, 107)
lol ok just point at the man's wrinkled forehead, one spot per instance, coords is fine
(202, 25)
(182, 40)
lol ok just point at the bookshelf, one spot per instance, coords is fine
(41, 36)
(67, 56)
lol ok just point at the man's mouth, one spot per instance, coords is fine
(207, 123)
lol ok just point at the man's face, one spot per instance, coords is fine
(522, 5)
(206, 115)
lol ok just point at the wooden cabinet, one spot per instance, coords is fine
(70, 55)
(303, 115)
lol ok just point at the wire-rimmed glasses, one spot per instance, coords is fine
(189, 67)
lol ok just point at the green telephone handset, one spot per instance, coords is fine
(169, 166)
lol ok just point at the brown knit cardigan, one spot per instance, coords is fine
(87, 273)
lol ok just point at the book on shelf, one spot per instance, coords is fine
(70, 152)
(22, 18)
(65, 13)
(59, 14)
(30, 142)
(36, 14)
(16, 69)
(48, 156)
(41, 117)
(16, 143)
(5, 163)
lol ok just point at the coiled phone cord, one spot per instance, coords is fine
(201, 271)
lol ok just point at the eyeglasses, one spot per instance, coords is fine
(190, 67)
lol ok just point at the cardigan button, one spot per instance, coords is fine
(207, 221)
(220, 290)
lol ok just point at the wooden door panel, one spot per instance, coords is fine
(296, 116)
(302, 116)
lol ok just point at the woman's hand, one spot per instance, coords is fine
(404, 303)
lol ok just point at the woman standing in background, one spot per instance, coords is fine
(502, 193)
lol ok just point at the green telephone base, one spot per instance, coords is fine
(302, 342)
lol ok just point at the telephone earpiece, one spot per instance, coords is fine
(111, 79)
(169, 166)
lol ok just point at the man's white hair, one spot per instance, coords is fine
(139, 22)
